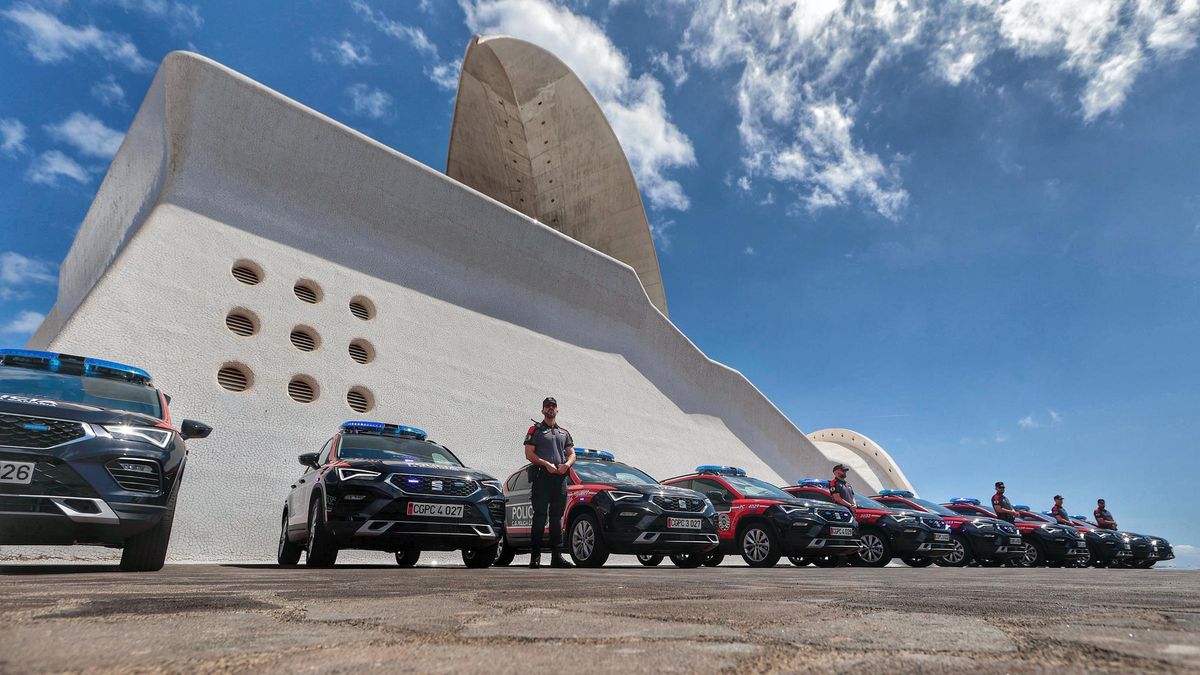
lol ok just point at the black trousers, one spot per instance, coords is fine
(549, 495)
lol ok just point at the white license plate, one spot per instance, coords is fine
(435, 510)
(684, 523)
(1015, 541)
(841, 531)
(941, 537)
(20, 473)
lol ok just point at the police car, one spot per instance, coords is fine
(614, 508)
(1145, 551)
(763, 523)
(1044, 542)
(1106, 548)
(976, 538)
(88, 455)
(387, 487)
(884, 532)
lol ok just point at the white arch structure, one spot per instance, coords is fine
(866, 458)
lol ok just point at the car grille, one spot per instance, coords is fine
(39, 433)
(10, 504)
(685, 504)
(835, 515)
(441, 486)
(935, 523)
(136, 475)
(51, 476)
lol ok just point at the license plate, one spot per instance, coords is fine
(841, 531)
(435, 510)
(684, 523)
(20, 473)
(941, 537)
(1015, 541)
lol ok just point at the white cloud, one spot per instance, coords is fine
(1027, 422)
(671, 66)
(749, 250)
(999, 437)
(347, 51)
(369, 101)
(25, 323)
(49, 40)
(109, 92)
(634, 105)
(443, 73)
(12, 137)
(661, 233)
(803, 69)
(18, 271)
(1187, 556)
(89, 135)
(1055, 418)
(183, 17)
(48, 167)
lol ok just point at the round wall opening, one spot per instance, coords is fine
(247, 272)
(241, 322)
(362, 308)
(235, 377)
(303, 389)
(308, 291)
(305, 339)
(360, 399)
(362, 351)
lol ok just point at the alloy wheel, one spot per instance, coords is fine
(870, 548)
(756, 544)
(583, 539)
(956, 555)
(1029, 556)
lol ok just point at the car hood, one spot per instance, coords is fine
(41, 407)
(417, 468)
(664, 490)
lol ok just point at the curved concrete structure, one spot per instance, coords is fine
(869, 463)
(528, 134)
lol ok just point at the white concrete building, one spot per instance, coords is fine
(278, 273)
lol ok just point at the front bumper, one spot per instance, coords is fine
(50, 520)
(644, 528)
(375, 516)
(1065, 548)
(807, 535)
(1109, 550)
(994, 545)
(919, 542)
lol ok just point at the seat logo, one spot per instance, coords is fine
(437, 485)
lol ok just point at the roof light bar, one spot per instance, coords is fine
(965, 500)
(721, 470)
(74, 365)
(599, 455)
(382, 429)
(813, 482)
(907, 494)
(1021, 507)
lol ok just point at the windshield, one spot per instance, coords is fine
(754, 488)
(94, 391)
(868, 503)
(382, 448)
(611, 472)
(1031, 517)
(933, 507)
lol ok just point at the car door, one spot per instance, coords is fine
(300, 496)
(707, 485)
(519, 504)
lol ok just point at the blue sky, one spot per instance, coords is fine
(969, 231)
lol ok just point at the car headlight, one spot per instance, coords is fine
(619, 496)
(353, 474)
(156, 435)
(795, 509)
(905, 520)
(494, 484)
(983, 525)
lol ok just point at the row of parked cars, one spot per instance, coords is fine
(89, 454)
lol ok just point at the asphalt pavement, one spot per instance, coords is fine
(242, 618)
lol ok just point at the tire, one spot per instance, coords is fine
(688, 561)
(650, 560)
(799, 561)
(147, 552)
(874, 549)
(588, 548)
(480, 558)
(917, 562)
(758, 545)
(322, 552)
(289, 551)
(713, 559)
(961, 556)
(408, 557)
(1084, 561)
(831, 561)
(1034, 555)
(504, 555)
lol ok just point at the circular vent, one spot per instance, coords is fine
(361, 351)
(359, 400)
(362, 308)
(304, 339)
(307, 292)
(241, 323)
(247, 273)
(302, 390)
(233, 377)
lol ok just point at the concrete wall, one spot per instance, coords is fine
(480, 311)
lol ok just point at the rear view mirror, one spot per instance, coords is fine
(192, 429)
(309, 459)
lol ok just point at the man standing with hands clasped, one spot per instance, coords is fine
(551, 452)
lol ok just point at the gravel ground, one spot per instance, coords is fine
(237, 618)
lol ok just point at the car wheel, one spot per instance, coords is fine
(831, 561)
(480, 558)
(408, 557)
(713, 559)
(688, 561)
(959, 556)
(588, 548)
(1033, 555)
(147, 552)
(758, 545)
(874, 550)
(917, 562)
(504, 554)
(321, 550)
(799, 561)
(289, 551)
(650, 560)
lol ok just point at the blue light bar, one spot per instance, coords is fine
(598, 455)
(1021, 507)
(112, 369)
(721, 470)
(381, 429)
(813, 482)
(1079, 517)
(76, 365)
(965, 500)
(896, 493)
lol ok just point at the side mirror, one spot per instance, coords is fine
(717, 497)
(192, 429)
(309, 459)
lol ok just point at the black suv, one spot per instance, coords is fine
(386, 487)
(88, 456)
(615, 508)
(976, 538)
(1144, 550)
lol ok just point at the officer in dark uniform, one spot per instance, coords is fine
(1104, 518)
(1060, 512)
(1001, 505)
(840, 489)
(551, 452)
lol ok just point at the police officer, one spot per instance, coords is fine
(551, 452)
(1000, 504)
(1104, 518)
(840, 489)
(1060, 512)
